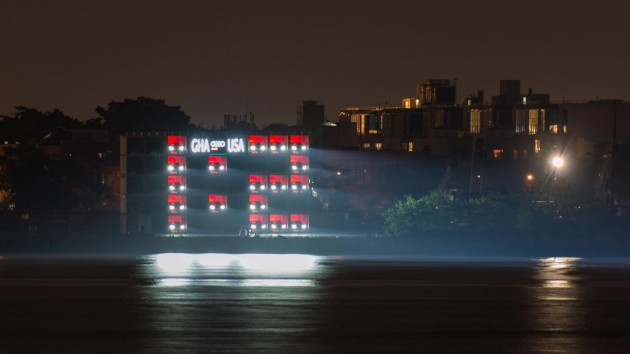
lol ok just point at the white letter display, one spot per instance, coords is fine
(236, 145)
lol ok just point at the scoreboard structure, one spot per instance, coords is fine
(256, 184)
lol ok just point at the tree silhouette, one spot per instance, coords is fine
(143, 114)
(30, 124)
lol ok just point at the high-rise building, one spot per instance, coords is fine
(310, 115)
(436, 92)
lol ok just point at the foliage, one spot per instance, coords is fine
(28, 124)
(434, 211)
(492, 213)
(142, 114)
(38, 182)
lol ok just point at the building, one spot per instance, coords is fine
(310, 115)
(496, 143)
(215, 182)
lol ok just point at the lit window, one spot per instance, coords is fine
(366, 145)
(410, 146)
(534, 118)
(378, 146)
(475, 121)
(537, 146)
(498, 153)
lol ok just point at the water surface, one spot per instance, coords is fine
(195, 303)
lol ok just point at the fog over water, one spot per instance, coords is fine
(191, 303)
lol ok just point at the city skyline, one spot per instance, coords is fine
(237, 57)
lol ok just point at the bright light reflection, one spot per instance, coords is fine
(171, 264)
(559, 262)
(175, 282)
(557, 284)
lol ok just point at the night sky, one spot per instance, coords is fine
(216, 57)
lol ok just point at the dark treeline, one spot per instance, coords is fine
(140, 114)
(43, 168)
(492, 220)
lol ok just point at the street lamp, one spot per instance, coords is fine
(557, 162)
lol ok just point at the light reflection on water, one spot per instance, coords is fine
(181, 264)
(191, 303)
(557, 297)
(169, 282)
(218, 269)
(240, 296)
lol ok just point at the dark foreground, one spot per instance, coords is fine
(254, 303)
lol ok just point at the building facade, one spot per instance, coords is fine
(513, 136)
(211, 183)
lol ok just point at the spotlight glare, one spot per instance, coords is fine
(557, 162)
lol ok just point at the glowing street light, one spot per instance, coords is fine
(557, 162)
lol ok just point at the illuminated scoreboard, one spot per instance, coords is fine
(227, 184)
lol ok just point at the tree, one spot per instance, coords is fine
(28, 124)
(38, 182)
(411, 216)
(142, 114)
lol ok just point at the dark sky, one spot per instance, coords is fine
(214, 57)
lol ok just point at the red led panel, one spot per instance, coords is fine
(176, 203)
(257, 183)
(176, 164)
(278, 183)
(176, 184)
(177, 223)
(257, 144)
(258, 203)
(217, 163)
(298, 183)
(258, 222)
(299, 164)
(176, 144)
(278, 143)
(278, 222)
(217, 203)
(298, 143)
(298, 222)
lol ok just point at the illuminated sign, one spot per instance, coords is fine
(199, 145)
(235, 145)
(206, 145)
